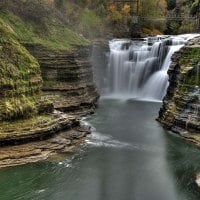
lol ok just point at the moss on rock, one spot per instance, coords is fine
(180, 110)
(20, 79)
(52, 33)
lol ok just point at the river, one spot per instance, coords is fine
(128, 156)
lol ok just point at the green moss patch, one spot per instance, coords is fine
(189, 62)
(191, 55)
(21, 126)
(52, 33)
(90, 24)
(20, 79)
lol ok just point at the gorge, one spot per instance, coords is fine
(127, 150)
(97, 103)
(138, 69)
(127, 156)
(48, 93)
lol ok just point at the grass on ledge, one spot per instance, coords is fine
(52, 34)
(23, 125)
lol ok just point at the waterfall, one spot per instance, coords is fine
(138, 69)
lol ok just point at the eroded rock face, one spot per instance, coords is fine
(68, 83)
(60, 144)
(40, 88)
(68, 79)
(181, 106)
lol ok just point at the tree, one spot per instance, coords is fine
(195, 7)
(126, 9)
(171, 4)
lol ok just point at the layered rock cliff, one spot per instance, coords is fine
(181, 106)
(68, 92)
(67, 78)
(46, 85)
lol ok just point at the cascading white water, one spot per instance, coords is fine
(138, 69)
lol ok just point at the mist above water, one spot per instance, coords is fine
(138, 69)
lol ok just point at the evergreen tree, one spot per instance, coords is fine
(171, 4)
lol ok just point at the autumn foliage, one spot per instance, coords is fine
(119, 16)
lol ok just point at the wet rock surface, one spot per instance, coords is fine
(36, 128)
(68, 79)
(63, 143)
(181, 106)
(68, 94)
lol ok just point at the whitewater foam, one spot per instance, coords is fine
(138, 69)
(97, 139)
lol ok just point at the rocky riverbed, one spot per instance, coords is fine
(65, 142)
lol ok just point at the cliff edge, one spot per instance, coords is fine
(181, 105)
(46, 84)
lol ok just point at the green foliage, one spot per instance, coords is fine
(195, 7)
(171, 4)
(189, 62)
(19, 126)
(34, 11)
(183, 8)
(172, 27)
(193, 55)
(15, 108)
(84, 19)
(116, 17)
(90, 24)
(55, 35)
(91, 4)
(155, 10)
(20, 79)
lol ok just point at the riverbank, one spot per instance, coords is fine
(46, 83)
(137, 156)
(56, 81)
(56, 129)
(62, 143)
(180, 111)
(65, 94)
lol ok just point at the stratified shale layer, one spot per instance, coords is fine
(39, 118)
(68, 84)
(68, 78)
(40, 140)
(46, 82)
(181, 106)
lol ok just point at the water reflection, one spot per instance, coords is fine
(128, 157)
(184, 163)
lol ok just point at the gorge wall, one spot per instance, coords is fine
(67, 78)
(46, 85)
(67, 93)
(181, 106)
